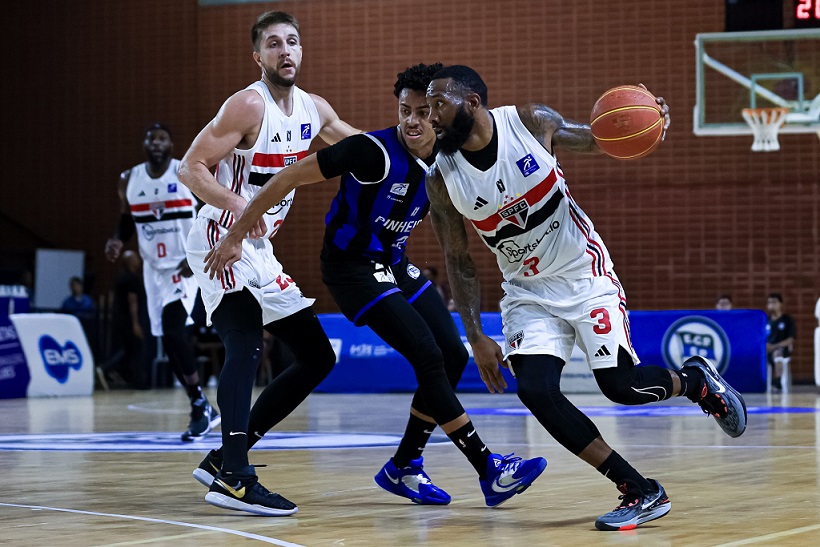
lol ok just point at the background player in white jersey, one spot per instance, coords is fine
(257, 132)
(161, 210)
(497, 168)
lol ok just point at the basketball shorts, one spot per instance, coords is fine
(357, 285)
(550, 315)
(164, 286)
(257, 270)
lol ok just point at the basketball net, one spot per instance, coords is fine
(765, 123)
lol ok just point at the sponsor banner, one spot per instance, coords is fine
(57, 353)
(735, 341)
(14, 375)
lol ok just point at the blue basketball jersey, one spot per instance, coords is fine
(374, 220)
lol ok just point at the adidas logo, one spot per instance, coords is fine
(479, 203)
(141, 194)
(602, 352)
(277, 138)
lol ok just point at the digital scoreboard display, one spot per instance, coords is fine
(807, 13)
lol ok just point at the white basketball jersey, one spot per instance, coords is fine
(522, 209)
(163, 210)
(282, 140)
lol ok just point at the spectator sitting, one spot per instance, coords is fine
(78, 303)
(723, 302)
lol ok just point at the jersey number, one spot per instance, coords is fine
(532, 263)
(283, 282)
(161, 251)
(602, 316)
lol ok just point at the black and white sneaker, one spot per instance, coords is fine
(244, 493)
(719, 399)
(208, 468)
(636, 508)
(204, 417)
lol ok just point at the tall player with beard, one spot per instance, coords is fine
(256, 133)
(152, 198)
(381, 199)
(498, 169)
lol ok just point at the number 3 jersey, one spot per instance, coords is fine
(522, 209)
(163, 210)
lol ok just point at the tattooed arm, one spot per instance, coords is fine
(551, 129)
(448, 225)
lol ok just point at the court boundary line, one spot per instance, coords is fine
(240, 533)
(774, 535)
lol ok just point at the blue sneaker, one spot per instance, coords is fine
(508, 476)
(411, 482)
(719, 399)
(636, 508)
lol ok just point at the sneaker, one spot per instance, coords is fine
(208, 468)
(204, 417)
(719, 399)
(244, 493)
(411, 482)
(636, 508)
(508, 476)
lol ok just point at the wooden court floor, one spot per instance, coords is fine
(109, 470)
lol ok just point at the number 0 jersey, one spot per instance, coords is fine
(522, 209)
(163, 210)
(282, 140)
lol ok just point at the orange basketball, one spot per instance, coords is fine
(626, 122)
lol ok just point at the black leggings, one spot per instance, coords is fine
(409, 329)
(176, 341)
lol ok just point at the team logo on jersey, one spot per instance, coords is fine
(157, 209)
(400, 188)
(413, 272)
(695, 335)
(515, 340)
(305, 131)
(516, 213)
(527, 165)
(149, 232)
(276, 138)
(172, 188)
(290, 160)
(479, 203)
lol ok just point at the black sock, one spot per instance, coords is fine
(618, 470)
(467, 440)
(194, 392)
(412, 444)
(692, 382)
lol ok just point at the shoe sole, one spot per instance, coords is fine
(193, 438)
(388, 488)
(529, 479)
(631, 524)
(227, 502)
(203, 477)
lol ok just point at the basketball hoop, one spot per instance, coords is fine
(765, 123)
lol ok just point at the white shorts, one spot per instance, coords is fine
(550, 315)
(163, 286)
(257, 270)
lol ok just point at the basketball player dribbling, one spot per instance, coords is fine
(161, 211)
(497, 168)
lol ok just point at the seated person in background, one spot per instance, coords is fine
(723, 302)
(780, 340)
(78, 303)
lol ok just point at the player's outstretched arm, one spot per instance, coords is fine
(229, 248)
(448, 225)
(125, 224)
(549, 127)
(334, 128)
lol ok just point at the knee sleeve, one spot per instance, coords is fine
(628, 384)
(539, 388)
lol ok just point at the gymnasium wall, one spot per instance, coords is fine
(699, 217)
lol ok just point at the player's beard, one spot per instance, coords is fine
(157, 159)
(272, 75)
(459, 131)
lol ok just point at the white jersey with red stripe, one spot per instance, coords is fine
(522, 209)
(282, 140)
(163, 210)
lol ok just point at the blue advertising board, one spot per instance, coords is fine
(734, 340)
(14, 374)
